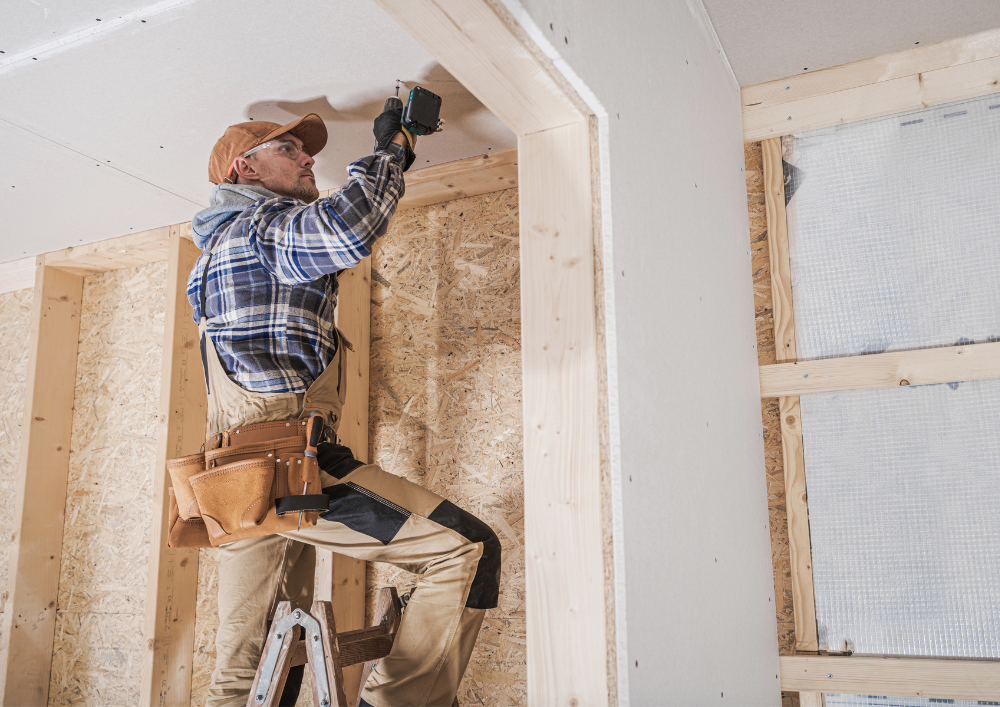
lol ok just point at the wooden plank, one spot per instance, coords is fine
(800, 553)
(812, 699)
(906, 93)
(40, 500)
(172, 587)
(455, 180)
(323, 613)
(777, 243)
(17, 274)
(899, 677)
(920, 367)
(341, 579)
(566, 641)
(479, 49)
(885, 67)
(114, 253)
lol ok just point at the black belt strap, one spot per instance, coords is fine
(295, 504)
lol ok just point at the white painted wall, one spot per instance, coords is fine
(700, 626)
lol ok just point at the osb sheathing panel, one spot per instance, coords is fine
(15, 323)
(445, 400)
(102, 583)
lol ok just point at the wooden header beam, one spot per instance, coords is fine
(890, 83)
(939, 678)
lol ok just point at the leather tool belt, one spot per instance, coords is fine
(250, 481)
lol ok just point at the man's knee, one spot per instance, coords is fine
(485, 590)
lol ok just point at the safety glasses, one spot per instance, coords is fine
(284, 148)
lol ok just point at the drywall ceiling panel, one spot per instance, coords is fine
(151, 98)
(772, 39)
(40, 216)
(30, 23)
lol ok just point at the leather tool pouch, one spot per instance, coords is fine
(251, 481)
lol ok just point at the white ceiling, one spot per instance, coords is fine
(110, 133)
(772, 39)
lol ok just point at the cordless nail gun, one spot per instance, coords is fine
(421, 115)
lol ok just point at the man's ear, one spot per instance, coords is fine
(244, 170)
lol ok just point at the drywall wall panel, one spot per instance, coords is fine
(15, 323)
(97, 654)
(445, 406)
(699, 589)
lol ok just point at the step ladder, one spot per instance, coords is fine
(327, 651)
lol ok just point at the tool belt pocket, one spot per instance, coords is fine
(236, 491)
(234, 497)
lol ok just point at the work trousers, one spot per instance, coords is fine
(380, 517)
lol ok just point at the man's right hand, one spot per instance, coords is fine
(389, 129)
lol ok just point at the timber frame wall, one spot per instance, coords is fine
(892, 83)
(28, 631)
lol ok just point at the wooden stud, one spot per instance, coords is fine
(114, 253)
(886, 84)
(803, 597)
(562, 474)
(901, 677)
(812, 699)
(921, 367)
(40, 501)
(172, 588)
(341, 579)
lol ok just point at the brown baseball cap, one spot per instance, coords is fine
(241, 137)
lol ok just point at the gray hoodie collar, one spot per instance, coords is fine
(227, 200)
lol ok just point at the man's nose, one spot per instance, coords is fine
(307, 161)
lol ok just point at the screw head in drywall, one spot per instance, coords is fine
(789, 117)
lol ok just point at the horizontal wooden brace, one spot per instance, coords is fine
(945, 364)
(939, 678)
(883, 85)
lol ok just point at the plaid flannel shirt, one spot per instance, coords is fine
(272, 286)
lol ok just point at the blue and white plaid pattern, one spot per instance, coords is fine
(272, 287)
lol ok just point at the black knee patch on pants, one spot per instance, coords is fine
(485, 592)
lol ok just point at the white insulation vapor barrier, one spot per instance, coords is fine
(904, 518)
(834, 700)
(894, 231)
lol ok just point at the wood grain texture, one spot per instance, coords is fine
(445, 411)
(777, 241)
(563, 546)
(812, 699)
(769, 411)
(799, 548)
(114, 253)
(884, 67)
(900, 677)
(472, 42)
(171, 590)
(322, 611)
(40, 496)
(462, 178)
(799, 545)
(893, 83)
(919, 367)
(17, 274)
(98, 648)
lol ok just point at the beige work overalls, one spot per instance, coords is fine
(376, 516)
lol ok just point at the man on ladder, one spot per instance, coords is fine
(264, 291)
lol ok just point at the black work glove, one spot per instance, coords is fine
(336, 460)
(387, 125)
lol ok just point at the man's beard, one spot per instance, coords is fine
(305, 191)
